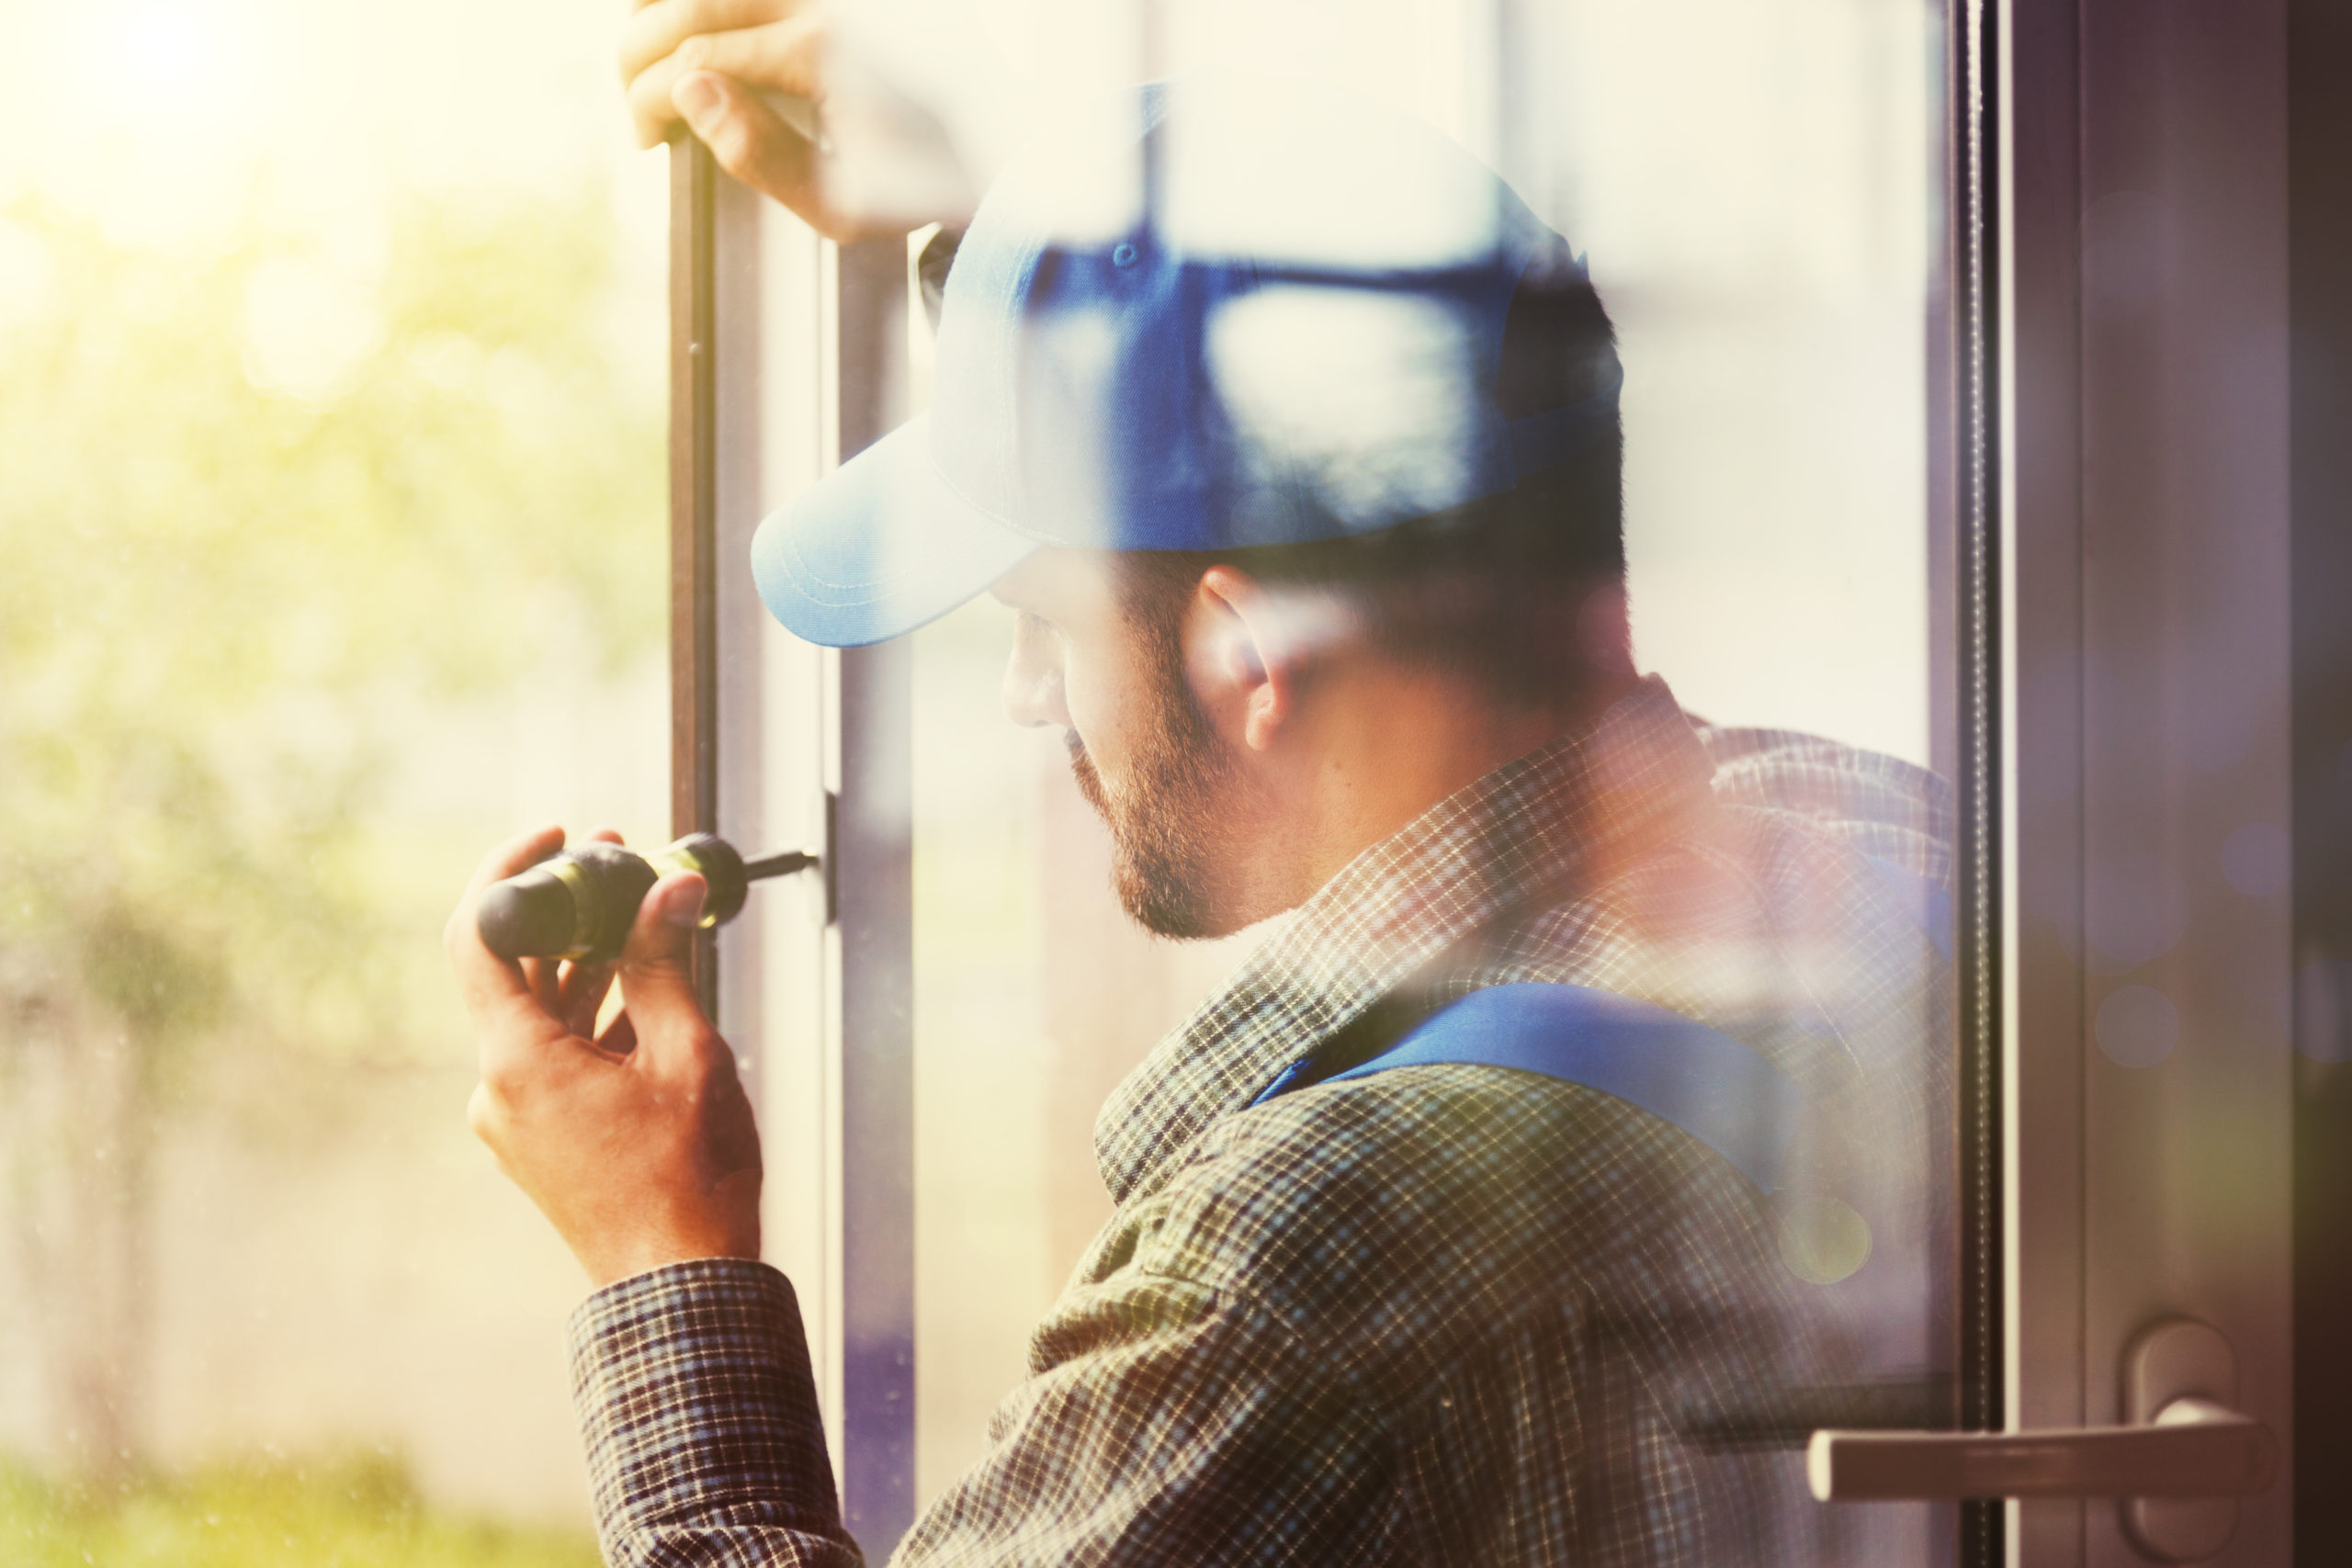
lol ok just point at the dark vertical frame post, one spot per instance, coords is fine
(2045, 166)
(1973, 50)
(2151, 552)
(693, 511)
(874, 844)
(2179, 237)
(2320, 319)
(872, 850)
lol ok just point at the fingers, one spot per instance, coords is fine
(582, 996)
(621, 1038)
(542, 977)
(785, 57)
(753, 143)
(507, 859)
(657, 974)
(484, 979)
(656, 29)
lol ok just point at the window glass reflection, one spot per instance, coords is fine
(1758, 197)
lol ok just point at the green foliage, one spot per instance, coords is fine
(218, 587)
(355, 1513)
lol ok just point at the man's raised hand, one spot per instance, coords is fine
(705, 63)
(637, 1144)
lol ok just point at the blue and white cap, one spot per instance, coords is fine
(1214, 314)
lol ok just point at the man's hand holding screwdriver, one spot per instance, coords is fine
(638, 1144)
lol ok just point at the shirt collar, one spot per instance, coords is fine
(1529, 827)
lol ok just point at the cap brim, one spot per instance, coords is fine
(879, 547)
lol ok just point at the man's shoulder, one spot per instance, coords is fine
(1879, 804)
(1414, 1207)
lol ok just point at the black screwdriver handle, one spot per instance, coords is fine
(579, 904)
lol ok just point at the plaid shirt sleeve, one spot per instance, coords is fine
(705, 1445)
(1166, 1421)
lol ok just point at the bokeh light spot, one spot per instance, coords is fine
(2137, 910)
(164, 49)
(1823, 1241)
(306, 326)
(2258, 859)
(2137, 1026)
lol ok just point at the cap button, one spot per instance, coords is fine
(1123, 254)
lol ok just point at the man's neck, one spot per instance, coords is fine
(1379, 748)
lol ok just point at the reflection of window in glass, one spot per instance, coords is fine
(333, 423)
(1756, 191)
(1771, 289)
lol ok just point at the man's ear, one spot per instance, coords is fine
(1240, 655)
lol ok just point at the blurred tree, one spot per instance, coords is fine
(252, 500)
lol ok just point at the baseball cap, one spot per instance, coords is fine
(1214, 313)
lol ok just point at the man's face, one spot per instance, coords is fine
(1145, 756)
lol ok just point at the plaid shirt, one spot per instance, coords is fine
(1439, 1314)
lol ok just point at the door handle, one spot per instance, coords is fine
(2180, 1463)
(2193, 1449)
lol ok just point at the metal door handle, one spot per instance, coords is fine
(2183, 1441)
(2193, 1449)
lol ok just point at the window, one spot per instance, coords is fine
(1981, 539)
(333, 531)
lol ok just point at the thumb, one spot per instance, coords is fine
(657, 968)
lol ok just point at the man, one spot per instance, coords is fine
(1291, 436)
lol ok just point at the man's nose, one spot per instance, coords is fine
(1033, 682)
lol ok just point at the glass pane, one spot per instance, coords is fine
(1758, 194)
(332, 417)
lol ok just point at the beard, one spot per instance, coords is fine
(1171, 844)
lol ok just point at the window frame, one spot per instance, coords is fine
(2101, 98)
(862, 1275)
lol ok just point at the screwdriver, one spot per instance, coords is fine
(579, 904)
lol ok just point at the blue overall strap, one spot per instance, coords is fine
(1676, 1068)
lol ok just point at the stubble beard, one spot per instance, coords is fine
(1171, 844)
